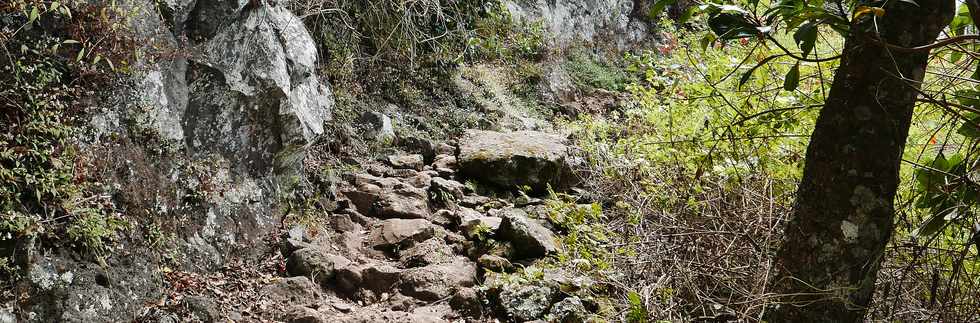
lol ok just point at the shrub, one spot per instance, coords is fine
(58, 57)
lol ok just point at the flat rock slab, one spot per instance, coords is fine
(401, 232)
(515, 159)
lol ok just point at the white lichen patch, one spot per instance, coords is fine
(850, 231)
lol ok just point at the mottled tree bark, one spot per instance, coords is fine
(844, 212)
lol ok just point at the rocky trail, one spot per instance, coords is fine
(426, 237)
(241, 169)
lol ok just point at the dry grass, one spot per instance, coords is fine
(706, 259)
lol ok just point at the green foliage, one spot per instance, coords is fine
(592, 73)
(45, 188)
(637, 310)
(499, 37)
(586, 234)
(693, 117)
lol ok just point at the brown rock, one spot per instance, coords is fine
(407, 161)
(401, 232)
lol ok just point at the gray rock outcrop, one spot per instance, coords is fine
(586, 21)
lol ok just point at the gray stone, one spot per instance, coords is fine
(203, 308)
(495, 263)
(444, 161)
(421, 180)
(472, 222)
(569, 310)
(374, 316)
(344, 223)
(526, 302)
(294, 239)
(466, 301)
(303, 314)
(530, 238)
(380, 278)
(7, 316)
(292, 291)
(444, 218)
(435, 282)
(417, 145)
(254, 95)
(316, 264)
(428, 252)
(378, 126)
(455, 189)
(474, 200)
(512, 160)
(445, 149)
(414, 162)
(401, 232)
(585, 21)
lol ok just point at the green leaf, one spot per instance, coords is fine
(806, 37)
(728, 25)
(687, 15)
(792, 78)
(955, 56)
(748, 75)
(970, 127)
(707, 40)
(658, 8)
(936, 222)
(33, 15)
(970, 98)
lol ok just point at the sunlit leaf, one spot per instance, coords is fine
(863, 10)
(33, 15)
(792, 78)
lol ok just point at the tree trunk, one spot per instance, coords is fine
(844, 213)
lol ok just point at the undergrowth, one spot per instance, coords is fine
(698, 173)
(56, 58)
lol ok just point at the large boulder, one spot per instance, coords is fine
(530, 238)
(253, 89)
(515, 159)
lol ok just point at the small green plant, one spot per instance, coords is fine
(637, 311)
(480, 234)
